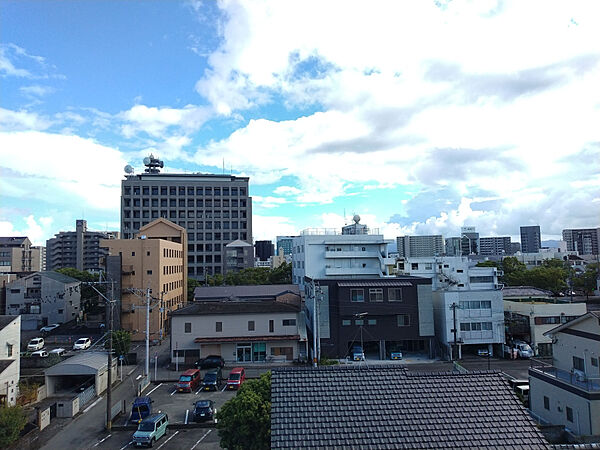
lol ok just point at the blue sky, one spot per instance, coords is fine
(421, 117)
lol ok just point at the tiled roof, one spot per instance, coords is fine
(58, 277)
(524, 291)
(258, 290)
(237, 307)
(388, 407)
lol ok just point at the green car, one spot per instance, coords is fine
(150, 430)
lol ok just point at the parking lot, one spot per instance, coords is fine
(178, 406)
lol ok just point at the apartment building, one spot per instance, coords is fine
(469, 241)
(582, 240)
(10, 351)
(358, 252)
(43, 298)
(17, 255)
(453, 246)
(285, 243)
(79, 249)
(214, 209)
(495, 246)
(567, 392)
(467, 302)
(155, 260)
(420, 246)
(531, 239)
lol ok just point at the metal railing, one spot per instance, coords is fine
(576, 379)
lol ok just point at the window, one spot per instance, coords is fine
(465, 327)
(475, 326)
(357, 295)
(9, 350)
(375, 295)
(346, 322)
(251, 325)
(218, 326)
(132, 253)
(359, 322)
(372, 321)
(187, 327)
(403, 320)
(594, 362)
(578, 363)
(148, 272)
(569, 414)
(289, 322)
(546, 403)
(395, 294)
(414, 266)
(271, 326)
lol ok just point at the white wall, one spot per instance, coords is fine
(9, 379)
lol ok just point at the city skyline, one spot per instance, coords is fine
(393, 112)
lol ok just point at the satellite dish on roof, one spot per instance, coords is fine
(128, 168)
(356, 218)
(146, 161)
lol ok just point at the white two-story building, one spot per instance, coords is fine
(467, 303)
(10, 351)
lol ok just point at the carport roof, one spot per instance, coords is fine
(87, 363)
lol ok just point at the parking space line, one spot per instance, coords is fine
(199, 440)
(173, 391)
(126, 445)
(139, 376)
(224, 387)
(187, 412)
(92, 405)
(154, 389)
(198, 391)
(174, 434)
(102, 440)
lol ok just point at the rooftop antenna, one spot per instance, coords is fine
(223, 166)
(345, 220)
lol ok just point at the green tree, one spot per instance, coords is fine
(254, 276)
(487, 264)
(244, 422)
(89, 297)
(12, 421)
(587, 280)
(192, 284)
(121, 342)
(514, 271)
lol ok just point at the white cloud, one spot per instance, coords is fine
(38, 231)
(36, 90)
(268, 202)
(269, 227)
(155, 121)
(22, 120)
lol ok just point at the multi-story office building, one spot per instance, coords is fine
(583, 240)
(495, 246)
(453, 246)
(531, 239)
(79, 249)
(466, 299)
(156, 260)
(286, 243)
(264, 250)
(325, 254)
(214, 209)
(420, 246)
(17, 255)
(567, 392)
(469, 241)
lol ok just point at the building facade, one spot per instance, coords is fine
(214, 209)
(567, 392)
(495, 246)
(453, 246)
(285, 243)
(156, 260)
(17, 255)
(264, 250)
(531, 239)
(238, 255)
(419, 246)
(465, 299)
(242, 324)
(43, 298)
(583, 240)
(79, 249)
(469, 241)
(10, 359)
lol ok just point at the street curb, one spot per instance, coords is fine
(171, 426)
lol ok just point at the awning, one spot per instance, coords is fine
(212, 340)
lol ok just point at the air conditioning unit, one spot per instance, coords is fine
(579, 375)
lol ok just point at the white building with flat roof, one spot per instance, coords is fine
(10, 359)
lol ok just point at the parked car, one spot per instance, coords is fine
(210, 362)
(483, 352)
(236, 377)
(82, 344)
(58, 351)
(523, 350)
(36, 344)
(212, 380)
(188, 381)
(150, 430)
(357, 353)
(40, 354)
(204, 410)
(49, 328)
(140, 409)
(396, 355)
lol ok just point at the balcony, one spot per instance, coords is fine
(352, 271)
(351, 254)
(547, 372)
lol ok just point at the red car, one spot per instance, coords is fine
(236, 377)
(188, 381)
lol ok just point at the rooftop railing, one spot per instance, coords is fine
(574, 377)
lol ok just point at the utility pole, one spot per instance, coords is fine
(110, 349)
(453, 307)
(147, 332)
(318, 294)
(314, 317)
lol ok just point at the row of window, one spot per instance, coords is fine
(182, 214)
(476, 326)
(553, 320)
(200, 225)
(170, 270)
(187, 327)
(182, 203)
(568, 409)
(203, 270)
(171, 253)
(183, 190)
(204, 258)
(376, 295)
(476, 304)
(172, 285)
(402, 320)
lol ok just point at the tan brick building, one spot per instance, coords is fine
(155, 259)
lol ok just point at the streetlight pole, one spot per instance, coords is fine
(110, 350)
(314, 317)
(147, 333)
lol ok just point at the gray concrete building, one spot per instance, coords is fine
(495, 246)
(582, 240)
(453, 247)
(420, 246)
(17, 255)
(79, 249)
(214, 209)
(531, 239)
(469, 241)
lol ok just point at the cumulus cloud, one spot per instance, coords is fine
(37, 230)
(269, 227)
(154, 121)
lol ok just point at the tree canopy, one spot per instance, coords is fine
(552, 275)
(244, 422)
(12, 421)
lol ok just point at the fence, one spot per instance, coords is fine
(86, 396)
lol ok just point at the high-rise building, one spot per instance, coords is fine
(214, 209)
(79, 249)
(286, 243)
(531, 239)
(497, 245)
(17, 255)
(469, 241)
(264, 250)
(453, 246)
(415, 246)
(582, 240)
